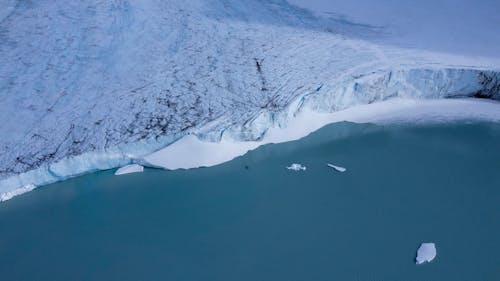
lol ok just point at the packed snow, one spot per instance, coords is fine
(426, 253)
(129, 169)
(296, 167)
(337, 168)
(92, 85)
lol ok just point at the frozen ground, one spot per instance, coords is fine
(90, 85)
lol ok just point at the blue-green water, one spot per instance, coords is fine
(251, 219)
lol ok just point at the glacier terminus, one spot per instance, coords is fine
(93, 85)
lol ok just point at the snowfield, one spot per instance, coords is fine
(465, 27)
(91, 85)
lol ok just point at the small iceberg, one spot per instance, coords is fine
(337, 168)
(426, 253)
(18, 191)
(129, 169)
(296, 167)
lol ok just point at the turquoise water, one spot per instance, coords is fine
(251, 219)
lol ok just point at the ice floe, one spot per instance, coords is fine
(296, 167)
(426, 253)
(337, 168)
(129, 169)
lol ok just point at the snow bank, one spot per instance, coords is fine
(426, 253)
(15, 192)
(129, 169)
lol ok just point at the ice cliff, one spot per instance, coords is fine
(91, 85)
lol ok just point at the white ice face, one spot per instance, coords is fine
(426, 253)
(129, 169)
(15, 192)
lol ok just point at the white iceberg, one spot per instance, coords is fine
(426, 253)
(129, 169)
(15, 192)
(296, 167)
(337, 168)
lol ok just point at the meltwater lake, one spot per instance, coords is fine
(252, 219)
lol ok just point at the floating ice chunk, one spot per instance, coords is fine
(337, 168)
(296, 167)
(133, 168)
(426, 253)
(15, 192)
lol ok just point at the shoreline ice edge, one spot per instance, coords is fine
(191, 151)
(206, 154)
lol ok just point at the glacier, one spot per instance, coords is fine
(193, 151)
(95, 85)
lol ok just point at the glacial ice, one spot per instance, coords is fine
(15, 192)
(129, 169)
(296, 167)
(426, 253)
(96, 85)
(337, 168)
(185, 153)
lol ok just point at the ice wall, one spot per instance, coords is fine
(409, 83)
(373, 87)
(360, 90)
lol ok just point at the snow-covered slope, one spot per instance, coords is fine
(89, 85)
(466, 27)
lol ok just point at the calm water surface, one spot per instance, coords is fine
(251, 219)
